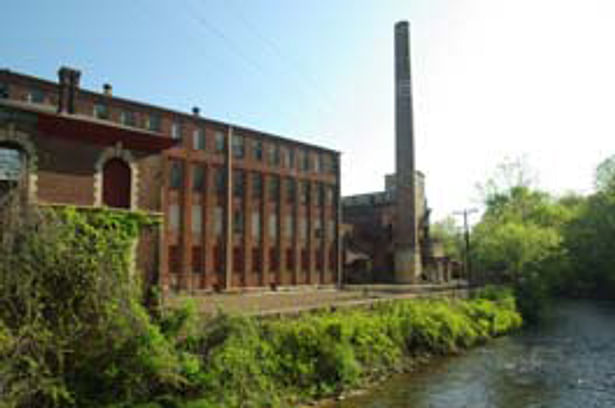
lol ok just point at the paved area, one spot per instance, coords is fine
(288, 302)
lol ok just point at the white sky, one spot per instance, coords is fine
(491, 79)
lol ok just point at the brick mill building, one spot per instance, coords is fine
(241, 208)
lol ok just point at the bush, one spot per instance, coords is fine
(72, 328)
(73, 331)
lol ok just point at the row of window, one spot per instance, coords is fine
(325, 193)
(288, 226)
(274, 156)
(239, 258)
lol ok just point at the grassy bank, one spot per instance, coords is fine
(258, 363)
(74, 332)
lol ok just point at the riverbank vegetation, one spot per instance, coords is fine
(545, 245)
(74, 331)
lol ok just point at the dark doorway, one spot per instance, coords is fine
(116, 184)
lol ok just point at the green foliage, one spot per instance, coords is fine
(548, 246)
(260, 363)
(590, 241)
(604, 179)
(72, 329)
(447, 232)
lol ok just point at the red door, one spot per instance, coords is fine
(116, 184)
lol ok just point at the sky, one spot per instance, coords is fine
(492, 79)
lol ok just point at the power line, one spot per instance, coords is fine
(205, 23)
(213, 30)
(294, 65)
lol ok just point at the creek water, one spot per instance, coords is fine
(568, 361)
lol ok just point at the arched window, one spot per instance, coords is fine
(116, 183)
(12, 169)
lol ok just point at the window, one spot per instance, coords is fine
(331, 230)
(289, 230)
(198, 178)
(274, 188)
(238, 182)
(291, 158)
(197, 218)
(327, 164)
(4, 90)
(238, 221)
(11, 169)
(305, 192)
(154, 122)
(257, 186)
(220, 177)
(174, 259)
(318, 228)
(290, 259)
(321, 194)
(36, 95)
(257, 146)
(128, 118)
(238, 150)
(303, 227)
(330, 193)
(198, 139)
(273, 155)
(334, 164)
(176, 130)
(273, 227)
(284, 156)
(218, 221)
(290, 190)
(317, 163)
(174, 217)
(101, 111)
(256, 226)
(197, 259)
(219, 139)
(176, 179)
(305, 161)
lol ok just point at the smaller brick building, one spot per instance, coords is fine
(241, 208)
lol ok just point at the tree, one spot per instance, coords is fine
(509, 174)
(604, 178)
(446, 231)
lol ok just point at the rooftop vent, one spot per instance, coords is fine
(107, 89)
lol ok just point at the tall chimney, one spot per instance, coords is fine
(68, 79)
(405, 232)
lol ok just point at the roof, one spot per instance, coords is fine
(90, 129)
(187, 116)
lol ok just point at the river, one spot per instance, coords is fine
(568, 361)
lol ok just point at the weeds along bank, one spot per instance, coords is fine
(281, 362)
(73, 331)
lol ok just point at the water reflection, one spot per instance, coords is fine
(567, 362)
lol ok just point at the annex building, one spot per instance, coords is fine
(241, 208)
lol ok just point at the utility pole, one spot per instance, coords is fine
(467, 264)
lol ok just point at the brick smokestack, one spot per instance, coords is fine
(68, 79)
(405, 232)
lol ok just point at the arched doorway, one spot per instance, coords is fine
(12, 170)
(116, 183)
